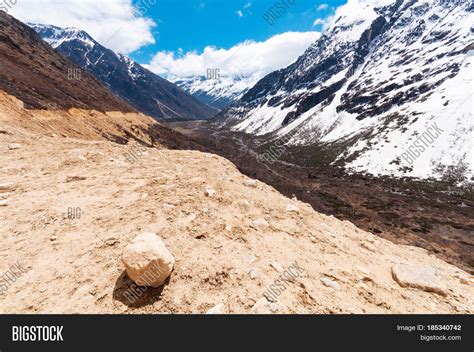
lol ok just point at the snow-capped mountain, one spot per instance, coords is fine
(236, 70)
(37, 75)
(220, 92)
(146, 91)
(388, 87)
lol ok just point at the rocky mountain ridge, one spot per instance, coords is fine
(380, 76)
(147, 92)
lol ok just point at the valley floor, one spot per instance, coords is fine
(70, 206)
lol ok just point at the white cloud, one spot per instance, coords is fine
(319, 21)
(245, 59)
(245, 10)
(116, 24)
(322, 7)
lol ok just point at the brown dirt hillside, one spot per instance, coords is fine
(91, 124)
(230, 245)
(42, 78)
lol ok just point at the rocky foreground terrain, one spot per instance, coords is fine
(83, 174)
(72, 200)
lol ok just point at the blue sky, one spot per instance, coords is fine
(192, 25)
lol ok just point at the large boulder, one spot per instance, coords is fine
(147, 260)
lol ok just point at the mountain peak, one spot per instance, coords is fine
(381, 75)
(130, 81)
(56, 36)
(36, 84)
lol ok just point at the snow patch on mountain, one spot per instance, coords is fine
(382, 73)
(134, 71)
(220, 92)
(56, 36)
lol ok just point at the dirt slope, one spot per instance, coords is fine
(42, 78)
(434, 215)
(90, 124)
(229, 246)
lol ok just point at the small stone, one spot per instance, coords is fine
(84, 294)
(251, 183)
(200, 236)
(362, 286)
(363, 270)
(330, 283)
(291, 208)
(261, 222)
(313, 239)
(147, 260)
(5, 195)
(4, 203)
(219, 309)
(423, 278)
(53, 238)
(75, 178)
(250, 258)
(262, 306)
(368, 246)
(277, 267)
(14, 146)
(463, 279)
(461, 309)
(8, 187)
(245, 204)
(210, 192)
(253, 274)
(111, 241)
